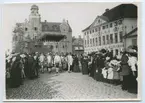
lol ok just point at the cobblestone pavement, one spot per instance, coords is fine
(67, 86)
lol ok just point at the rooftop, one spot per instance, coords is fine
(118, 12)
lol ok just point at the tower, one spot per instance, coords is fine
(34, 22)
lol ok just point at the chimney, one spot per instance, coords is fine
(106, 10)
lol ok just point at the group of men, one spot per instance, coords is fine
(24, 65)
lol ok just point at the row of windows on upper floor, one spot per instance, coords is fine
(108, 39)
(109, 25)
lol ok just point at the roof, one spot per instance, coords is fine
(121, 11)
(53, 26)
(118, 12)
(52, 37)
(130, 34)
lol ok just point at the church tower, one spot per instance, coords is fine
(34, 22)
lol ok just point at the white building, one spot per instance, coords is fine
(107, 30)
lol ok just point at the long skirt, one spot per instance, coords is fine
(134, 85)
(76, 68)
(85, 68)
(98, 74)
(16, 79)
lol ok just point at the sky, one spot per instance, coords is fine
(79, 15)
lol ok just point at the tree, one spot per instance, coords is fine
(18, 38)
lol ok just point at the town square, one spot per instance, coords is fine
(95, 58)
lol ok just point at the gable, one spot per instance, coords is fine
(99, 20)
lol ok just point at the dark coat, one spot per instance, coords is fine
(76, 65)
(85, 66)
(16, 79)
(125, 69)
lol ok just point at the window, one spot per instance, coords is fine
(35, 28)
(99, 21)
(110, 24)
(93, 42)
(111, 38)
(96, 29)
(90, 42)
(87, 32)
(90, 32)
(26, 29)
(99, 40)
(116, 38)
(103, 27)
(116, 51)
(107, 38)
(93, 30)
(96, 42)
(99, 28)
(104, 40)
(106, 26)
(121, 36)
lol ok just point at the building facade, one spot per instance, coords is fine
(34, 31)
(77, 46)
(107, 30)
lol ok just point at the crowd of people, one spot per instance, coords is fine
(101, 66)
(21, 66)
(116, 70)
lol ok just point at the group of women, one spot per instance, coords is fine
(19, 67)
(118, 70)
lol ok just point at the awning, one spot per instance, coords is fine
(52, 37)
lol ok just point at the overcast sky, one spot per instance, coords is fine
(79, 15)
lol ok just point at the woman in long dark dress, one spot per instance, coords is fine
(76, 64)
(16, 79)
(85, 65)
(26, 66)
(125, 71)
(31, 72)
(93, 66)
